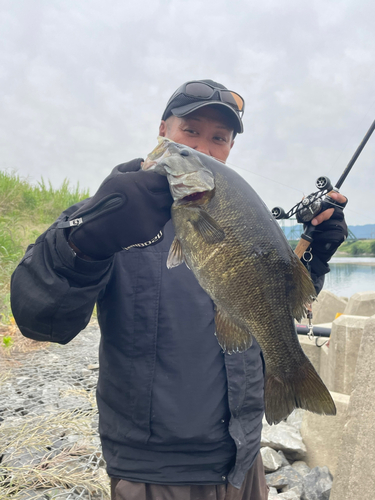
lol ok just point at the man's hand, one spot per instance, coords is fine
(330, 231)
(130, 207)
(327, 214)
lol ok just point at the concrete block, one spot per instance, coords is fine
(327, 306)
(355, 478)
(312, 347)
(361, 304)
(322, 434)
(311, 350)
(324, 367)
(338, 360)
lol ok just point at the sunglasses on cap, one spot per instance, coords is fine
(204, 91)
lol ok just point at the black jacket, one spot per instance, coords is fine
(173, 408)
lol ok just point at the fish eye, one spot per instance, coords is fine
(184, 152)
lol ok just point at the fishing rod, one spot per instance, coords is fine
(317, 202)
(320, 331)
(314, 332)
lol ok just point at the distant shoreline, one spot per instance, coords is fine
(346, 258)
(347, 254)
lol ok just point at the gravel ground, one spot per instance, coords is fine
(49, 444)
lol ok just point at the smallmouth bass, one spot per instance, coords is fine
(228, 238)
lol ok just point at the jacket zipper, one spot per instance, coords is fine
(91, 214)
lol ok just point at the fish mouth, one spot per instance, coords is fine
(161, 152)
(189, 179)
(189, 187)
(193, 198)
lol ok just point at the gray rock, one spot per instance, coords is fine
(22, 457)
(32, 495)
(73, 438)
(301, 467)
(288, 495)
(317, 484)
(271, 459)
(295, 418)
(284, 459)
(61, 494)
(272, 493)
(285, 479)
(285, 437)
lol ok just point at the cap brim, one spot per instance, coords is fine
(188, 108)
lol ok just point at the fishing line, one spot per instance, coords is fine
(333, 165)
(359, 213)
(347, 208)
(264, 177)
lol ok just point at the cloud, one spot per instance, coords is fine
(84, 85)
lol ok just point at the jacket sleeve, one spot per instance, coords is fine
(318, 282)
(53, 291)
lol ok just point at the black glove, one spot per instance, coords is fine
(327, 237)
(130, 207)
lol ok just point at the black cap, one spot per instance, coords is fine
(181, 104)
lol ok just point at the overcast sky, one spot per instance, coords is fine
(84, 83)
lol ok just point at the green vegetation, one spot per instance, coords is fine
(359, 247)
(7, 341)
(355, 248)
(25, 212)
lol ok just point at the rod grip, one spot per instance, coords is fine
(302, 246)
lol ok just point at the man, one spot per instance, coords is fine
(178, 418)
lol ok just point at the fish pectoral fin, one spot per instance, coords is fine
(208, 228)
(230, 336)
(175, 256)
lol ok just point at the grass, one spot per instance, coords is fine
(359, 247)
(26, 211)
(75, 467)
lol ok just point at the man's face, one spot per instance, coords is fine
(207, 130)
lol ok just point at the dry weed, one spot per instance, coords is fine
(16, 344)
(76, 465)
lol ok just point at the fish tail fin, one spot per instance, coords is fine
(302, 388)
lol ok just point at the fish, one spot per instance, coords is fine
(229, 239)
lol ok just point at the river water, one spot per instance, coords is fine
(350, 275)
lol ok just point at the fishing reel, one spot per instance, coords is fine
(319, 201)
(311, 205)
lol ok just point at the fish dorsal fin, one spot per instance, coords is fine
(208, 228)
(231, 337)
(175, 256)
(303, 292)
